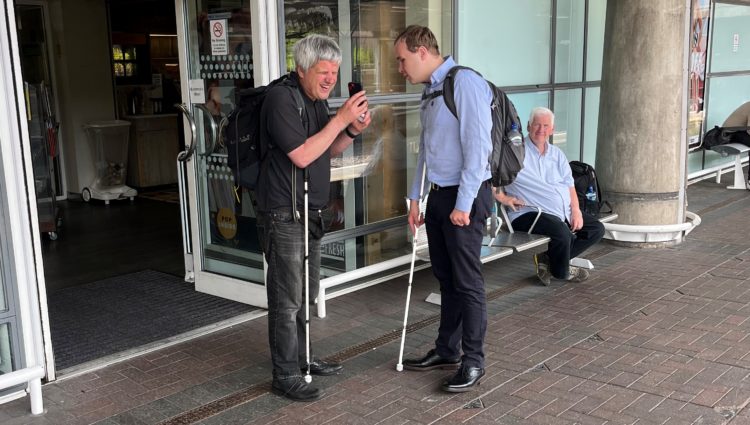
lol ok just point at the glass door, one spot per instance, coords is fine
(216, 62)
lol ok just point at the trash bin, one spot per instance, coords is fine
(108, 141)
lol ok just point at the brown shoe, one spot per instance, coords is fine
(577, 274)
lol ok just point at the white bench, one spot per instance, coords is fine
(736, 150)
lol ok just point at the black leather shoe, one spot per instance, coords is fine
(464, 379)
(322, 368)
(295, 388)
(432, 361)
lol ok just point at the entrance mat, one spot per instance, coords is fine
(112, 315)
(170, 195)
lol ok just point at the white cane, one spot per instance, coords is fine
(308, 378)
(400, 365)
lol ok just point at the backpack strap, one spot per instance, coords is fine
(449, 85)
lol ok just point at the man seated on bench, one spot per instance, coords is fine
(740, 118)
(546, 182)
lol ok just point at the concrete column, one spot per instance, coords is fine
(641, 153)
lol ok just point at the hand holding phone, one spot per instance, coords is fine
(354, 88)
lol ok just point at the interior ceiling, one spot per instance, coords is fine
(143, 16)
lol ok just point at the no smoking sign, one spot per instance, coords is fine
(219, 45)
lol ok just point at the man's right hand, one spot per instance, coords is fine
(353, 108)
(509, 201)
(415, 217)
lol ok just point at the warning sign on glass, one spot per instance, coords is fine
(218, 30)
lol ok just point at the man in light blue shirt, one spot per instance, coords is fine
(546, 182)
(455, 152)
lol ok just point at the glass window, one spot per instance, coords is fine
(730, 47)
(567, 135)
(6, 354)
(725, 95)
(569, 40)
(525, 102)
(595, 39)
(365, 30)
(508, 41)
(591, 125)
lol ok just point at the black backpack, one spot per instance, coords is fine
(241, 133)
(508, 151)
(587, 188)
(720, 136)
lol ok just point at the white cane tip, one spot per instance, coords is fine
(399, 367)
(308, 378)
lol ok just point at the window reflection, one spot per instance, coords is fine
(365, 30)
(370, 180)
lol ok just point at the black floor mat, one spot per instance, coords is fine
(115, 314)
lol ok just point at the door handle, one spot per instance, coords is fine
(190, 148)
(214, 130)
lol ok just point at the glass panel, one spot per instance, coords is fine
(591, 125)
(369, 183)
(725, 95)
(117, 52)
(507, 40)
(595, 38)
(698, 39)
(525, 102)
(223, 64)
(129, 53)
(365, 30)
(567, 135)
(569, 40)
(119, 70)
(3, 298)
(730, 47)
(6, 354)
(131, 69)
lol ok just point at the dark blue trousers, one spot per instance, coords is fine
(454, 254)
(563, 244)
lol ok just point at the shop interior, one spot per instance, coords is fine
(111, 233)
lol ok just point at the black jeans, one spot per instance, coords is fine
(283, 243)
(454, 254)
(563, 244)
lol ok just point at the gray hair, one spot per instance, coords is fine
(315, 48)
(540, 110)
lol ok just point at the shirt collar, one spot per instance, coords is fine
(532, 146)
(442, 71)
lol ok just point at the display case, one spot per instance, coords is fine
(43, 138)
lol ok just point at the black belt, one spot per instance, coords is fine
(437, 187)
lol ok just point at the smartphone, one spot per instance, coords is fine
(354, 88)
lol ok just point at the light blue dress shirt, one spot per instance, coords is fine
(544, 182)
(456, 151)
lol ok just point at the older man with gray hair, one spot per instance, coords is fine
(298, 146)
(546, 182)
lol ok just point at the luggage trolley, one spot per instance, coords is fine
(109, 149)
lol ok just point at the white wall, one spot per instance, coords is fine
(84, 78)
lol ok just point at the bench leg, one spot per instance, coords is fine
(582, 263)
(321, 302)
(739, 178)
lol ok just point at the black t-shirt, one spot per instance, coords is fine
(282, 128)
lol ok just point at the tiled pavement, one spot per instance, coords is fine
(655, 336)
